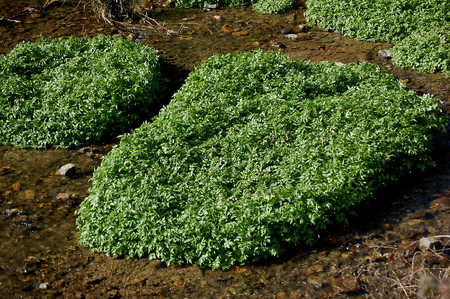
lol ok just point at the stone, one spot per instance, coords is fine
(427, 286)
(275, 44)
(286, 31)
(294, 37)
(10, 213)
(64, 196)
(440, 204)
(429, 243)
(346, 284)
(211, 6)
(385, 53)
(29, 194)
(68, 170)
(315, 280)
(16, 186)
(301, 28)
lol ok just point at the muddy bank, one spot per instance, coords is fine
(379, 255)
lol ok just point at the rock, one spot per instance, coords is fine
(10, 213)
(346, 284)
(68, 170)
(5, 170)
(275, 44)
(281, 294)
(315, 280)
(211, 6)
(156, 264)
(44, 286)
(339, 63)
(294, 37)
(286, 31)
(314, 269)
(301, 28)
(16, 186)
(427, 286)
(429, 243)
(385, 53)
(67, 196)
(440, 204)
(29, 194)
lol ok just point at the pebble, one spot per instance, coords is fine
(16, 186)
(314, 269)
(68, 170)
(427, 285)
(315, 280)
(275, 44)
(429, 243)
(156, 264)
(301, 28)
(385, 53)
(5, 170)
(10, 213)
(286, 31)
(66, 196)
(29, 194)
(440, 204)
(346, 284)
(294, 37)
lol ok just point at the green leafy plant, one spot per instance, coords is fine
(272, 6)
(262, 6)
(255, 151)
(419, 25)
(74, 92)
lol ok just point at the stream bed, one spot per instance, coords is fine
(397, 247)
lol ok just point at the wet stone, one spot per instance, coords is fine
(286, 31)
(385, 53)
(301, 28)
(68, 170)
(294, 37)
(346, 284)
(429, 243)
(29, 194)
(10, 213)
(66, 196)
(275, 44)
(440, 204)
(315, 280)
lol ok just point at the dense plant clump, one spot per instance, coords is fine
(262, 6)
(254, 151)
(74, 92)
(419, 29)
(120, 9)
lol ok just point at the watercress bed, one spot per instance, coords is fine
(75, 92)
(419, 29)
(253, 152)
(262, 6)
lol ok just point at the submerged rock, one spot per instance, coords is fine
(346, 284)
(440, 204)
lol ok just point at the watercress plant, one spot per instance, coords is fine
(76, 91)
(419, 29)
(262, 6)
(255, 151)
